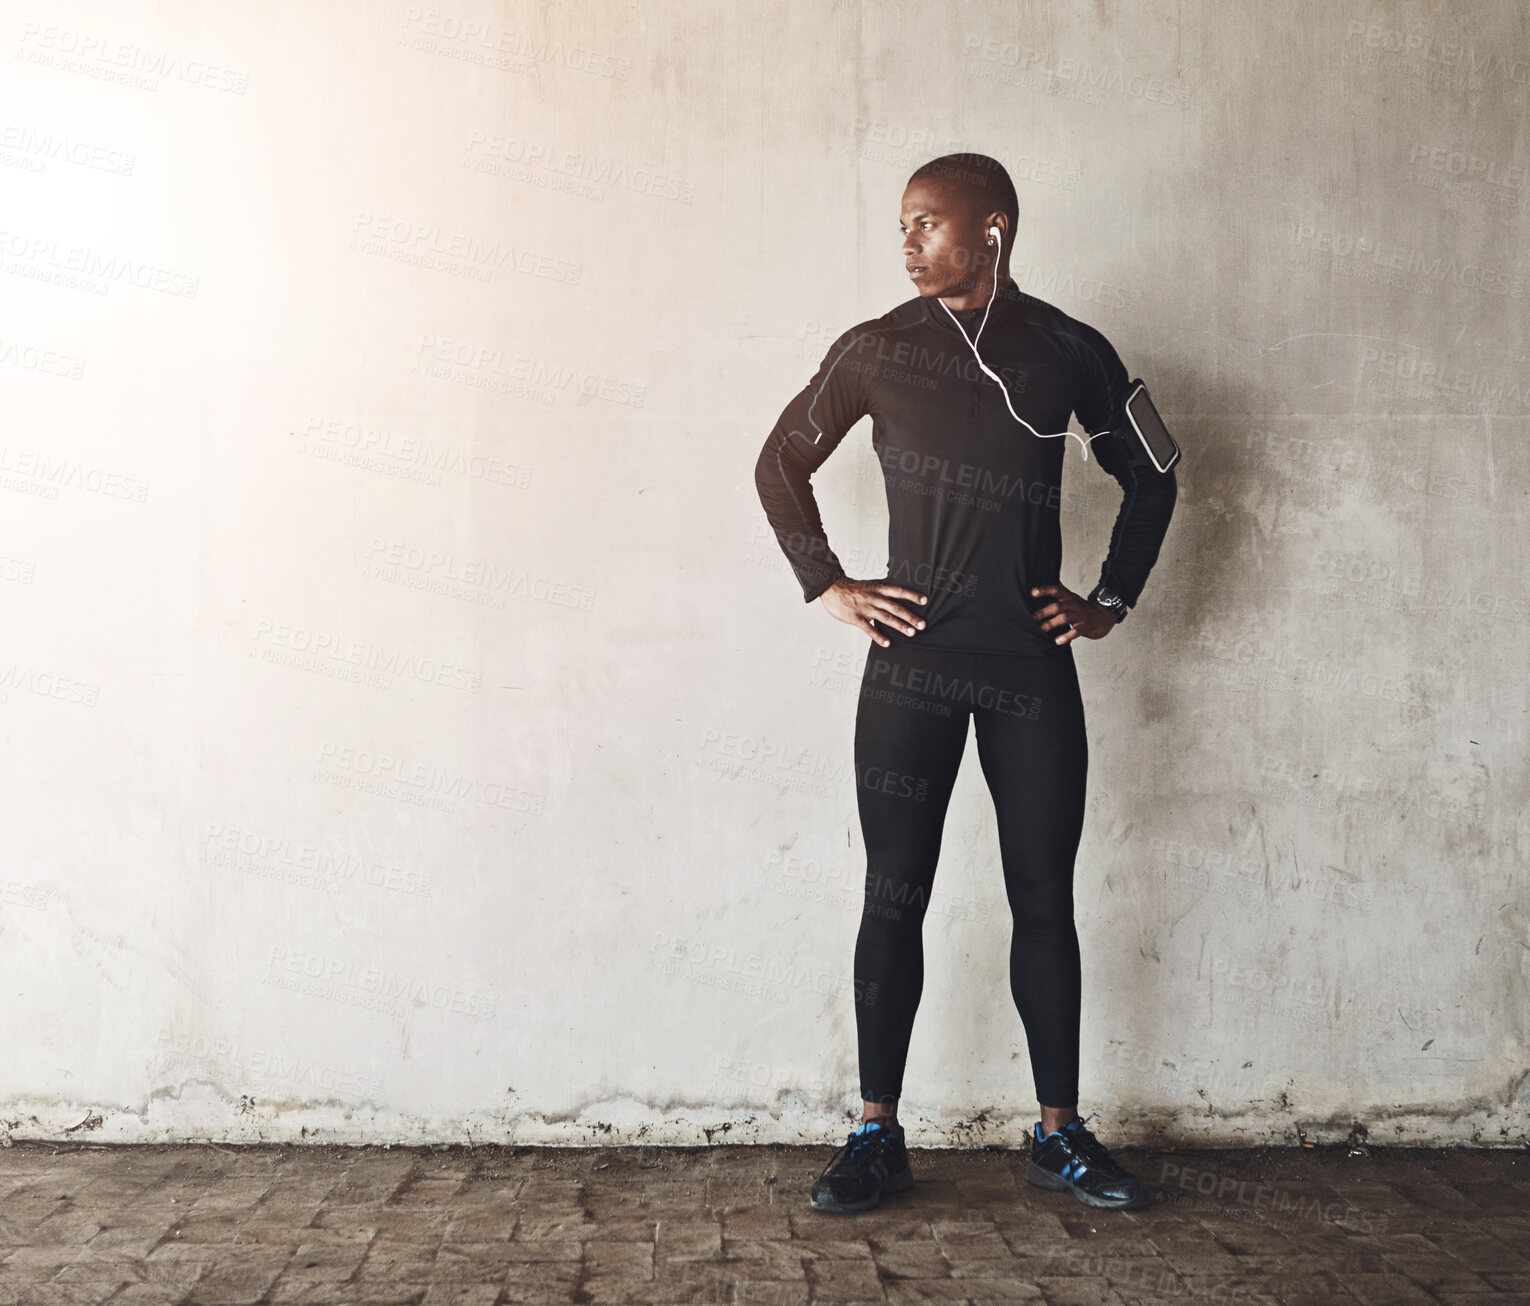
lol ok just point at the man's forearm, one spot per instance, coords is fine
(785, 488)
(1147, 506)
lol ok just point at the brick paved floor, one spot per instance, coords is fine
(367, 1226)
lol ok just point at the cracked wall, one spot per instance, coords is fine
(414, 732)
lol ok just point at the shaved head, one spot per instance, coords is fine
(980, 182)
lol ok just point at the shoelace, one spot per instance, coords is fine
(855, 1144)
(1090, 1147)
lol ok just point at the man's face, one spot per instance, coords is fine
(945, 247)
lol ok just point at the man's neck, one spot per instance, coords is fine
(979, 296)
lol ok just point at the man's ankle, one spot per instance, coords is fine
(1054, 1118)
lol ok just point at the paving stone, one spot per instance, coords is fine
(917, 1292)
(322, 1226)
(910, 1260)
(841, 1280)
(765, 1259)
(1482, 1252)
(621, 1229)
(689, 1239)
(756, 1222)
(1383, 1289)
(542, 1281)
(52, 1294)
(1435, 1277)
(768, 1292)
(544, 1228)
(1071, 1291)
(970, 1239)
(458, 1293)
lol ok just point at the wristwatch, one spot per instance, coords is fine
(1108, 598)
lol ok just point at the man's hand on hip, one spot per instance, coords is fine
(860, 602)
(1070, 615)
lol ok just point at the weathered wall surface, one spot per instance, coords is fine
(412, 731)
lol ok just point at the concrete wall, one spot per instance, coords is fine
(412, 731)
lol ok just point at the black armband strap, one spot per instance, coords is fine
(1151, 433)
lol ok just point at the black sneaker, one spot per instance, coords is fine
(873, 1161)
(1074, 1160)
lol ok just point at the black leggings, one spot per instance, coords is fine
(910, 732)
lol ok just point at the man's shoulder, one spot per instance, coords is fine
(897, 320)
(1049, 317)
(1090, 349)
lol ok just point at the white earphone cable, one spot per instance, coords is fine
(1003, 389)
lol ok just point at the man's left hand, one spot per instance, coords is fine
(1070, 615)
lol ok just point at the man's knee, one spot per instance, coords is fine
(895, 897)
(1040, 913)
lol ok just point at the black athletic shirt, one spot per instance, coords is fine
(973, 497)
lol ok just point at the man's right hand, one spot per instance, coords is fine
(860, 602)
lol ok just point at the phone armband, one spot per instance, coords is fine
(1154, 436)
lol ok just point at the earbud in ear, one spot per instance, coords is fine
(995, 233)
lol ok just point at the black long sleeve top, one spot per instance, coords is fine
(973, 497)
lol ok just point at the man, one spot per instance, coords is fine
(970, 386)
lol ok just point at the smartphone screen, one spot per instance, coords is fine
(1154, 434)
